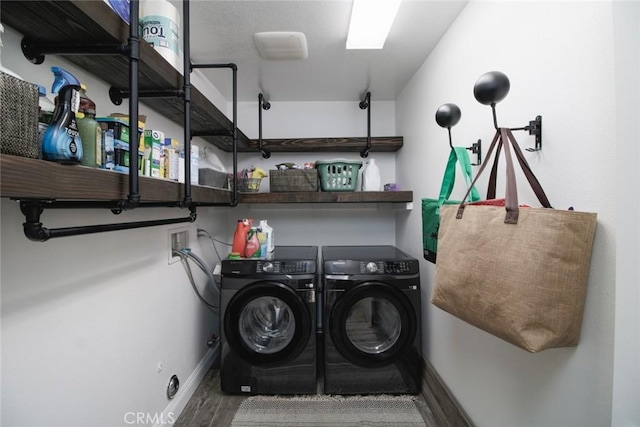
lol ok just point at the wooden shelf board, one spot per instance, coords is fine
(329, 197)
(357, 144)
(24, 178)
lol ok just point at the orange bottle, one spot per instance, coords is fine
(240, 236)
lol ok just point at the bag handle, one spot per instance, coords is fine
(504, 137)
(457, 155)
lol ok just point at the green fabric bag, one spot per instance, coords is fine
(431, 207)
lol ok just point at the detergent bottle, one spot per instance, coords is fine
(61, 141)
(252, 248)
(240, 236)
(268, 230)
(371, 177)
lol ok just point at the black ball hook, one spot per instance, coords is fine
(448, 115)
(491, 87)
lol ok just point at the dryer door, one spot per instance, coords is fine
(372, 324)
(267, 322)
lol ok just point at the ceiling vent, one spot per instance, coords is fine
(281, 45)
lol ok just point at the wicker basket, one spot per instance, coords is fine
(338, 175)
(246, 185)
(293, 180)
(18, 117)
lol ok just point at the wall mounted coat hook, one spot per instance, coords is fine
(493, 87)
(365, 104)
(534, 128)
(476, 148)
(448, 115)
(263, 104)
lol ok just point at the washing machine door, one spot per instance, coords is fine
(372, 324)
(267, 322)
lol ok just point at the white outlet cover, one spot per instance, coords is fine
(189, 230)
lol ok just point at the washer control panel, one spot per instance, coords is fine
(249, 267)
(285, 267)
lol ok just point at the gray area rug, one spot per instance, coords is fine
(328, 411)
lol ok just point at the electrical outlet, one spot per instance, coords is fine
(178, 238)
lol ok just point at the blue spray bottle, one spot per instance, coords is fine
(61, 141)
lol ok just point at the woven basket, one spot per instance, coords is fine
(293, 180)
(246, 185)
(18, 117)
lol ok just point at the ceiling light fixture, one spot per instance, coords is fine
(281, 45)
(370, 23)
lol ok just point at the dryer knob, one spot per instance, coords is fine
(267, 267)
(372, 267)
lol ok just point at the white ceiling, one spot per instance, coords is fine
(222, 32)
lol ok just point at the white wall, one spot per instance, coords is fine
(559, 58)
(626, 376)
(86, 320)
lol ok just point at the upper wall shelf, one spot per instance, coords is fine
(378, 144)
(93, 22)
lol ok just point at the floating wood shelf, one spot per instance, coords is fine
(329, 197)
(378, 144)
(24, 178)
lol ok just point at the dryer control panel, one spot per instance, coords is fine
(387, 267)
(373, 267)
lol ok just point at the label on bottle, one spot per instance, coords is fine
(98, 158)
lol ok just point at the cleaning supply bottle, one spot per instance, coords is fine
(252, 248)
(240, 236)
(62, 142)
(91, 136)
(90, 130)
(268, 230)
(371, 177)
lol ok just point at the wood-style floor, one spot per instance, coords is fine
(209, 407)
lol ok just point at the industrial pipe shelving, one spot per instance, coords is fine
(32, 208)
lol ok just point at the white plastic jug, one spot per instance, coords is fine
(268, 230)
(371, 177)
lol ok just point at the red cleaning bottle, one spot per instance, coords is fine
(240, 236)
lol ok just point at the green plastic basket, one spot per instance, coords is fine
(338, 175)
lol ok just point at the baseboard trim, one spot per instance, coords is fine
(175, 407)
(446, 410)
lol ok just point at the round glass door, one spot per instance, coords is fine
(267, 322)
(267, 325)
(372, 324)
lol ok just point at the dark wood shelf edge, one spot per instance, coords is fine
(23, 178)
(329, 197)
(347, 144)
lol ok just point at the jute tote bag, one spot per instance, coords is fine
(431, 207)
(519, 273)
